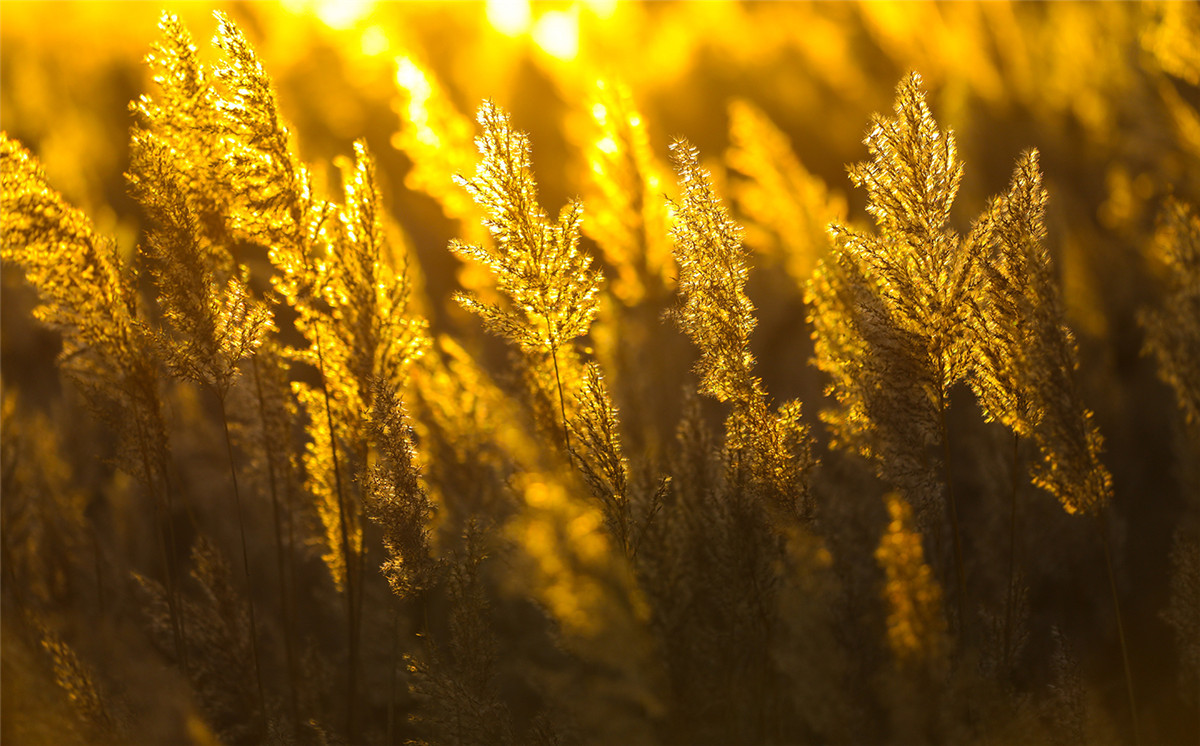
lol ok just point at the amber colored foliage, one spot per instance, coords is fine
(600, 372)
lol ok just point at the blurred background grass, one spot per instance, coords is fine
(1107, 92)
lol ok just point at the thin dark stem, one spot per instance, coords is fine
(392, 682)
(645, 527)
(1112, 584)
(280, 554)
(237, 501)
(299, 219)
(562, 402)
(360, 563)
(347, 555)
(1012, 552)
(937, 530)
(290, 621)
(172, 599)
(953, 504)
(166, 547)
(162, 502)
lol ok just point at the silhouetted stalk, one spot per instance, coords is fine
(237, 501)
(1112, 585)
(359, 569)
(166, 547)
(351, 607)
(953, 503)
(166, 540)
(562, 402)
(645, 527)
(938, 529)
(360, 557)
(290, 621)
(280, 554)
(762, 660)
(1012, 551)
(394, 659)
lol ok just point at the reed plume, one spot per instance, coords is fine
(552, 288)
(1026, 359)
(89, 296)
(526, 521)
(536, 262)
(769, 448)
(1172, 331)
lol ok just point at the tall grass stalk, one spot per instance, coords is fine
(351, 606)
(952, 503)
(1112, 586)
(1010, 601)
(282, 552)
(237, 501)
(167, 549)
(562, 402)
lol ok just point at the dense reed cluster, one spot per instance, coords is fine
(288, 492)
